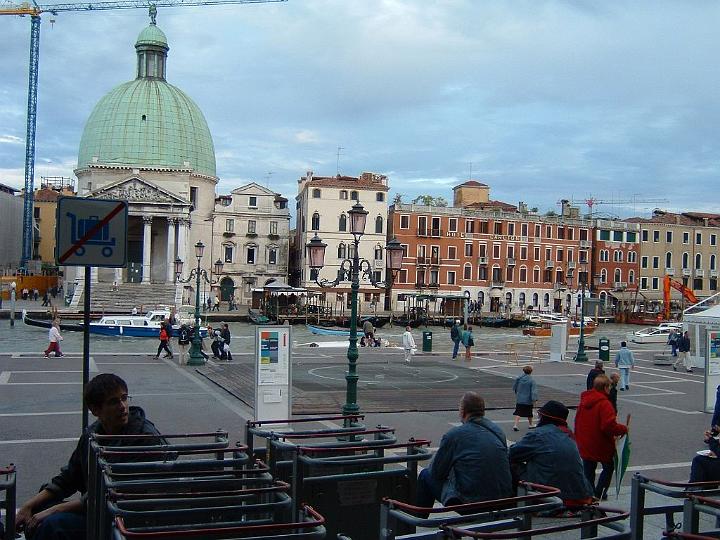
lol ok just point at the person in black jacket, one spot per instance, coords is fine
(612, 395)
(225, 334)
(594, 372)
(47, 516)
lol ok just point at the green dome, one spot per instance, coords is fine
(148, 122)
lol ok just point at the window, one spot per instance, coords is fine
(537, 231)
(496, 251)
(713, 284)
(668, 260)
(342, 223)
(252, 225)
(656, 236)
(36, 212)
(698, 238)
(546, 300)
(273, 227)
(698, 284)
(483, 227)
(686, 260)
(583, 234)
(523, 274)
(229, 225)
(604, 255)
(548, 254)
(404, 222)
(498, 227)
(631, 236)
(644, 261)
(668, 237)
(272, 256)
(469, 226)
(468, 249)
(536, 253)
(618, 276)
(482, 273)
(698, 261)
(252, 201)
(251, 250)
(343, 194)
(379, 225)
(570, 233)
(450, 278)
(604, 234)
(379, 196)
(536, 274)
(452, 252)
(316, 193)
(643, 283)
(482, 250)
(655, 283)
(378, 253)
(523, 229)
(511, 229)
(618, 236)
(467, 271)
(229, 253)
(560, 255)
(644, 235)
(632, 256)
(713, 239)
(341, 251)
(402, 277)
(523, 253)
(193, 197)
(354, 196)
(452, 225)
(712, 262)
(315, 224)
(631, 276)
(548, 231)
(561, 233)
(686, 238)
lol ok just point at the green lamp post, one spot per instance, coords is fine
(196, 357)
(352, 270)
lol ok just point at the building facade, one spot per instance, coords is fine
(681, 245)
(11, 209)
(45, 214)
(251, 237)
(616, 261)
(322, 206)
(506, 258)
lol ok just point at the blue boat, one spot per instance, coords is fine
(322, 331)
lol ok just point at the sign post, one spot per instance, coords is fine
(273, 368)
(90, 233)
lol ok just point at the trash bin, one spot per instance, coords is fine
(604, 349)
(427, 341)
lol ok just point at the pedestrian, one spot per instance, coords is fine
(164, 339)
(526, 395)
(456, 337)
(594, 372)
(226, 342)
(134, 310)
(612, 394)
(549, 456)
(25, 293)
(46, 515)
(209, 303)
(596, 427)
(624, 361)
(46, 299)
(468, 341)
(216, 305)
(408, 342)
(706, 468)
(36, 294)
(471, 464)
(368, 331)
(683, 345)
(673, 342)
(55, 338)
(183, 344)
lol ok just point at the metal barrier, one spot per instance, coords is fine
(675, 535)
(587, 527)
(673, 490)
(694, 506)
(310, 525)
(348, 483)
(509, 513)
(7, 486)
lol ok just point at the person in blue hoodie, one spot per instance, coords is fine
(471, 463)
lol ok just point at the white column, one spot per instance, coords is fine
(94, 274)
(147, 253)
(171, 250)
(182, 244)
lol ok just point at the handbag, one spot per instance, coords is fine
(471, 342)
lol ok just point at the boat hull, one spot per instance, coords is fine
(547, 331)
(322, 331)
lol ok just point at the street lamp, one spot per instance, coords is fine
(351, 270)
(581, 355)
(196, 357)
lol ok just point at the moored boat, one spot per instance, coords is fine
(258, 318)
(323, 331)
(47, 323)
(546, 331)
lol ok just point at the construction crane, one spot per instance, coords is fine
(35, 11)
(686, 292)
(592, 201)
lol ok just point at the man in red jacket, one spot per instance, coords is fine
(595, 431)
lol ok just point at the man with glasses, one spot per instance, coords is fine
(48, 515)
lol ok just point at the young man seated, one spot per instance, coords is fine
(47, 516)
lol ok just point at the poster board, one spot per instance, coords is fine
(712, 366)
(273, 372)
(558, 342)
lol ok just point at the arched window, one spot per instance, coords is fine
(618, 275)
(536, 275)
(698, 261)
(315, 224)
(668, 260)
(559, 275)
(603, 297)
(379, 224)
(686, 260)
(354, 196)
(342, 225)
(521, 299)
(631, 276)
(603, 276)
(523, 274)
(378, 252)
(481, 298)
(467, 271)
(379, 196)
(508, 299)
(712, 262)
(342, 251)
(546, 300)
(536, 300)
(632, 256)
(316, 193)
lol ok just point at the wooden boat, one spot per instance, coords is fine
(376, 320)
(323, 331)
(258, 318)
(47, 323)
(412, 323)
(546, 331)
(493, 322)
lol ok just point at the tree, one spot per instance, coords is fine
(397, 199)
(429, 200)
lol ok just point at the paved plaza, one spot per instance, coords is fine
(40, 398)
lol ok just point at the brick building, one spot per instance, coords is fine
(616, 261)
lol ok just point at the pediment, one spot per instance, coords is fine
(253, 189)
(137, 190)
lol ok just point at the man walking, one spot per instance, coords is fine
(594, 372)
(225, 334)
(408, 342)
(456, 337)
(683, 345)
(624, 361)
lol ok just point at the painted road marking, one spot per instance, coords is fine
(30, 441)
(54, 413)
(670, 409)
(4, 377)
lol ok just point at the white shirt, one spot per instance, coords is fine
(54, 335)
(408, 340)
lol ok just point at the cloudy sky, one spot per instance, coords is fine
(541, 99)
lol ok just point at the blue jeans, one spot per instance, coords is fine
(624, 377)
(455, 348)
(428, 490)
(61, 526)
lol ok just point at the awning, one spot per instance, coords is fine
(626, 296)
(496, 293)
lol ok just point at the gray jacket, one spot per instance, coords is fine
(525, 390)
(471, 462)
(551, 457)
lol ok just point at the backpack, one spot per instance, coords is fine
(184, 337)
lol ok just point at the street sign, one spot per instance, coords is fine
(91, 232)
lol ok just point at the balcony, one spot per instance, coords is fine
(620, 285)
(433, 285)
(699, 272)
(251, 234)
(549, 264)
(713, 273)
(274, 237)
(585, 244)
(378, 264)
(686, 272)
(430, 232)
(429, 261)
(483, 260)
(560, 286)
(511, 261)
(571, 265)
(497, 283)
(419, 285)
(228, 234)
(670, 271)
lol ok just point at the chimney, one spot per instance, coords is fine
(522, 207)
(309, 176)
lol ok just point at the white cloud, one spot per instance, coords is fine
(11, 139)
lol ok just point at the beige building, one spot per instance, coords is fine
(251, 237)
(44, 209)
(322, 208)
(683, 246)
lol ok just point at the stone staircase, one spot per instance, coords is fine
(104, 299)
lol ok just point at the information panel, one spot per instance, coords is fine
(273, 363)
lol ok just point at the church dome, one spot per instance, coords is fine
(148, 122)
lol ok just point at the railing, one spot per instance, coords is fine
(686, 272)
(585, 244)
(560, 286)
(699, 272)
(549, 264)
(429, 261)
(434, 285)
(497, 283)
(713, 273)
(620, 285)
(571, 265)
(430, 232)
(511, 261)
(670, 271)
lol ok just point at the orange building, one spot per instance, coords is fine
(507, 258)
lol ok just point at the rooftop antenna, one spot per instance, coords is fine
(339, 151)
(470, 175)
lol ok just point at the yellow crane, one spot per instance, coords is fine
(35, 10)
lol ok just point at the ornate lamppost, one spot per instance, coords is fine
(352, 270)
(581, 355)
(196, 357)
